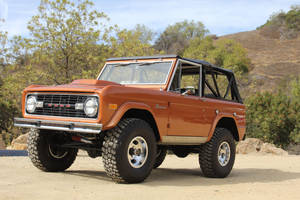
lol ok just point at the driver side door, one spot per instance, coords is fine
(186, 109)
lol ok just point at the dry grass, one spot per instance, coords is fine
(274, 61)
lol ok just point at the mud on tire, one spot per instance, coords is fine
(45, 159)
(118, 146)
(212, 156)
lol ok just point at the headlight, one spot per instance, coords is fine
(31, 104)
(91, 107)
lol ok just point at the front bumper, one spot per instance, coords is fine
(58, 125)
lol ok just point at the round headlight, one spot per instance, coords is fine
(91, 107)
(31, 104)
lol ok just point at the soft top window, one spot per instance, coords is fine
(218, 85)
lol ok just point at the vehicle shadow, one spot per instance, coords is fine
(192, 177)
(99, 175)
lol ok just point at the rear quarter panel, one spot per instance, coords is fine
(217, 109)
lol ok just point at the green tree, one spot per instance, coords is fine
(3, 47)
(200, 49)
(135, 42)
(146, 35)
(283, 25)
(64, 39)
(295, 85)
(223, 52)
(295, 94)
(176, 38)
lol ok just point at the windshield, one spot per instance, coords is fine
(137, 73)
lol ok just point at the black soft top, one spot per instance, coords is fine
(227, 72)
(202, 62)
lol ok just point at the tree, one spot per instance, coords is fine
(200, 48)
(223, 53)
(65, 37)
(231, 55)
(135, 42)
(295, 90)
(283, 25)
(3, 47)
(177, 37)
(146, 35)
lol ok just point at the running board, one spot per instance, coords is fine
(182, 140)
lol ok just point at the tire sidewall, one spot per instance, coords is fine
(160, 156)
(48, 162)
(223, 171)
(125, 169)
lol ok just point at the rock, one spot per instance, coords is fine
(2, 145)
(294, 149)
(254, 145)
(272, 149)
(249, 145)
(20, 143)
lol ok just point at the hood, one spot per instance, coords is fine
(82, 85)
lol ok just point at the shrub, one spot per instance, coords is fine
(270, 117)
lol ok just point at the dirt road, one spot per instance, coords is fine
(253, 177)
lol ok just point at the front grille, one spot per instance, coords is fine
(62, 105)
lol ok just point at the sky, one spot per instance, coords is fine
(220, 17)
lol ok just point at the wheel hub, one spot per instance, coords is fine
(137, 152)
(224, 153)
(57, 152)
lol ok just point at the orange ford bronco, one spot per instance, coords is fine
(136, 110)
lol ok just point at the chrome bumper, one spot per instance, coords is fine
(58, 125)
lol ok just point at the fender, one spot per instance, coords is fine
(123, 109)
(241, 130)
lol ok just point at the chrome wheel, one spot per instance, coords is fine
(137, 152)
(224, 154)
(57, 152)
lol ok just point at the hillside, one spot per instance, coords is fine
(274, 61)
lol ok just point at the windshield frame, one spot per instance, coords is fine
(142, 62)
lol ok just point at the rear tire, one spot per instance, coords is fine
(129, 151)
(216, 157)
(45, 155)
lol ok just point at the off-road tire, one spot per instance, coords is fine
(40, 156)
(208, 155)
(160, 156)
(115, 150)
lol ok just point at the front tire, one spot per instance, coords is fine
(216, 157)
(129, 151)
(160, 156)
(45, 154)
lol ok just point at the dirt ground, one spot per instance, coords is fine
(253, 177)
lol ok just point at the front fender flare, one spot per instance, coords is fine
(123, 109)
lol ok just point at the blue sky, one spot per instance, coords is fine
(219, 16)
